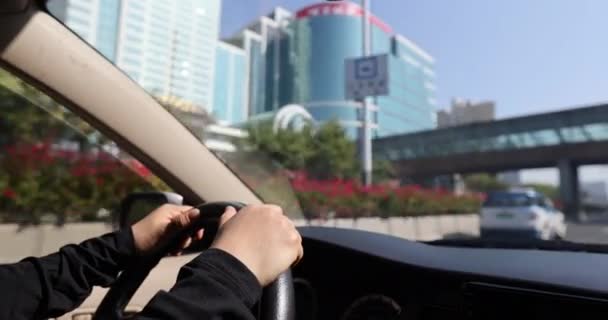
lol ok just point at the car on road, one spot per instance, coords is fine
(521, 213)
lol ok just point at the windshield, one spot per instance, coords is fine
(409, 118)
(504, 199)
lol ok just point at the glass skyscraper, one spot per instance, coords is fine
(411, 104)
(230, 84)
(301, 59)
(327, 34)
(96, 21)
(169, 47)
(266, 45)
(166, 46)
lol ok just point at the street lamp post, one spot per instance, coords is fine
(365, 138)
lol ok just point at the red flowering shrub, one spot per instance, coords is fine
(348, 199)
(41, 178)
(53, 164)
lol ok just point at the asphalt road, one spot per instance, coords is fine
(591, 232)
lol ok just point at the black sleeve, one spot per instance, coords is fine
(215, 285)
(39, 288)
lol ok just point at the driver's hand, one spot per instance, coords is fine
(161, 224)
(262, 238)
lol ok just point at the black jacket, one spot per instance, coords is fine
(215, 285)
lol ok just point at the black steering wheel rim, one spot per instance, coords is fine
(278, 298)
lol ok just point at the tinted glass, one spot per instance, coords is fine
(509, 200)
(463, 98)
(61, 181)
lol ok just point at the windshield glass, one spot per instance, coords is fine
(505, 199)
(410, 118)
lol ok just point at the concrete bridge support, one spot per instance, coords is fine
(569, 189)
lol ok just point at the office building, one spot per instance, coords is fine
(269, 71)
(464, 111)
(96, 21)
(171, 48)
(325, 35)
(299, 59)
(411, 104)
(230, 84)
(168, 47)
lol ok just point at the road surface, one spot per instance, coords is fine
(588, 232)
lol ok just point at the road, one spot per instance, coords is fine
(588, 232)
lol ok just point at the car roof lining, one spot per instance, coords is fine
(13, 6)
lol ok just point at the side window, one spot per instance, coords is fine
(60, 179)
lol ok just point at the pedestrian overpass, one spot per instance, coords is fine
(563, 139)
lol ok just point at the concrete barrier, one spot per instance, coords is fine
(414, 228)
(17, 243)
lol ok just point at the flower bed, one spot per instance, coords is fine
(42, 179)
(348, 199)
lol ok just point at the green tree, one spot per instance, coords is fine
(334, 155)
(324, 152)
(546, 189)
(291, 149)
(383, 170)
(483, 182)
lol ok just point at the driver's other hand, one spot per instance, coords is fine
(160, 225)
(262, 238)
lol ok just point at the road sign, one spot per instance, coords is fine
(367, 76)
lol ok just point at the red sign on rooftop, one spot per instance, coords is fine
(340, 9)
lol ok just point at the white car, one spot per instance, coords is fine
(521, 214)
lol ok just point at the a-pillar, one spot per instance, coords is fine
(569, 189)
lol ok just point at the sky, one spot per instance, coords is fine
(527, 56)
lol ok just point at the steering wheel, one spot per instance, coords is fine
(278, 299)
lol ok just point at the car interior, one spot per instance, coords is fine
(346, 274)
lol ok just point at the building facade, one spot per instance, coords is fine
(265, 43)
(229, 84)
(168, 47)
(464, 111)
(171, 48)
(300, 58)
(411, 104)
(96, 21)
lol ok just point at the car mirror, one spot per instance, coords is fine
(137, 205)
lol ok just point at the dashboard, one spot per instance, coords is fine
(352, 274)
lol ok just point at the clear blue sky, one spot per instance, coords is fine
(528, 56)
